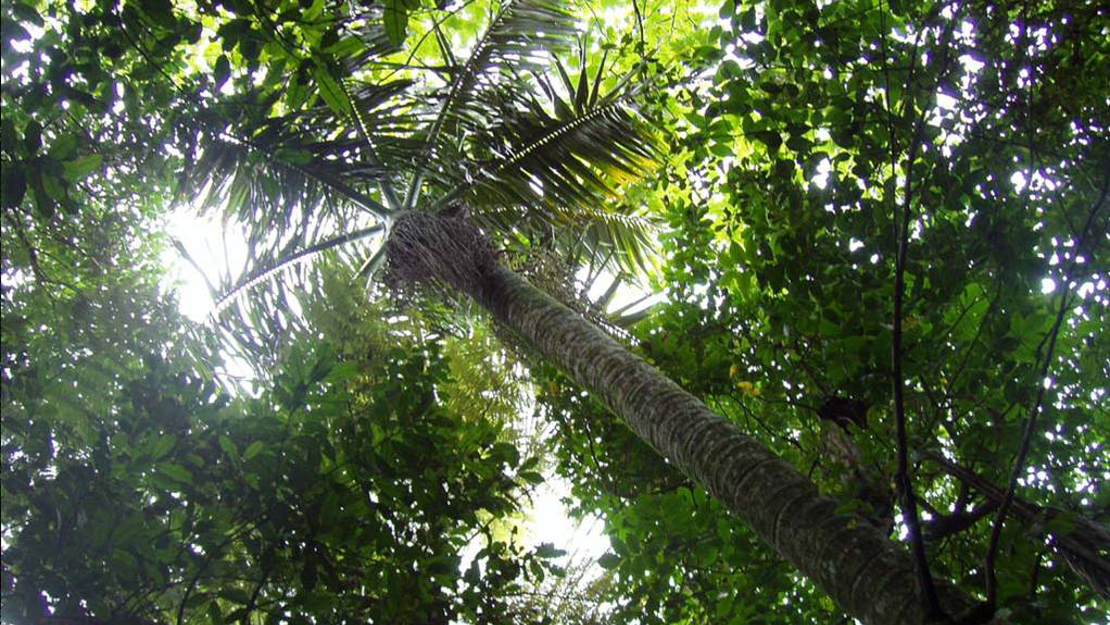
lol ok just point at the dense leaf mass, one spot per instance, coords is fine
(877, 234)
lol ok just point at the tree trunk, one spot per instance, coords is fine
(866, 574)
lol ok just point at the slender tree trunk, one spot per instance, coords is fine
(866, 574)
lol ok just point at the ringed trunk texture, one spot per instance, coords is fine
(866, 574)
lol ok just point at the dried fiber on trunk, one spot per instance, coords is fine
(426, 247)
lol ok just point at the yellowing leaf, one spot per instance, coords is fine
(749, 389)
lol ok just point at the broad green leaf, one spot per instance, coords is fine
(228, 446)
(32, 137)
(222, 70)
(162, 446)
(331, 91)
(609, 561)
(215, 615)
(253, 450)
(63, 147)
(15, 186)
(54, 186)
(531, 477)
(175, 472)
(82, 166)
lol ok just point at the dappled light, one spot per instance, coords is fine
(526, 311)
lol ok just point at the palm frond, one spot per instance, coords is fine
(283, 180)
(302, 150)
(370, 132)
(523, 35)
(271, 269)
(573, 153)
(280, 197)
(359, 118)
(573, 162)
(560, 167)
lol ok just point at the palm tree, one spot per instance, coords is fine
(446, 172)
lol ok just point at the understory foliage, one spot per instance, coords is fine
(345, 492)
(806, 163)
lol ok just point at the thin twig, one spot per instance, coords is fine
(640, 23)
(902, 477)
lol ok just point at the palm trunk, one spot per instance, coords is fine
(866, 574)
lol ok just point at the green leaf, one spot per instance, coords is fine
(321, 369)
(396, 20)
(214, 614)
(54, 187)
(706, 554)
(331, 91)
(43, 203)
(508, 452)
(15, 186)
(229, 447)
(161, 11)
(548, 550)
(222, 70)
(162, 446)
(175, 472)
(532, 477)
(123, 563)
(14, 32)
(1063, 523)
(27, 14)
(63, 147)
(235, 594)
(253, 450)
(342, 372)
(582, 93)
(8, 136)
(609, 561)
(80, 167)
(32, 137)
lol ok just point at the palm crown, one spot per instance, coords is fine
(530, 156)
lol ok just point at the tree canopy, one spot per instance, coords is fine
(876, 232)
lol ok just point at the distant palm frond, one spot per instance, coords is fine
(267, 270)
